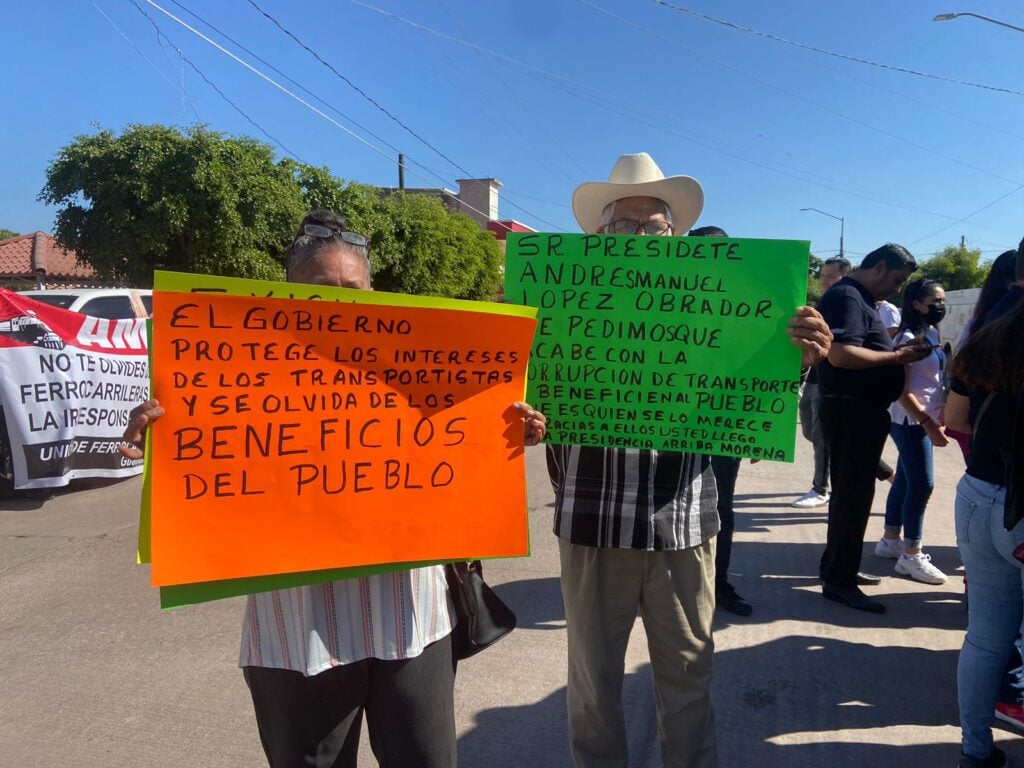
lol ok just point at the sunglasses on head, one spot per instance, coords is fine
(352, 238)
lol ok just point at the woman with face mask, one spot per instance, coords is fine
(916, 428)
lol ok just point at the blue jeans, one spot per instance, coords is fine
(994, 609)
(912, 486)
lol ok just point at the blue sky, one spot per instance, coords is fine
(546, 94)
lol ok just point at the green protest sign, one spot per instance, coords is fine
(666, 343)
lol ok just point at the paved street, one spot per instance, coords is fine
(93, 674)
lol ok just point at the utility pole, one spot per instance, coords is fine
(963, 242)
(401, 171)
(842, 226)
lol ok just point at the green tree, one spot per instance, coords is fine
(418, 245)
(157, 197)
(6, 234)
(813, 288)
(956, 267)
(437, 251)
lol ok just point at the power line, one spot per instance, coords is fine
(181, 91)
(504, 124)
(605, 100)
(922, 102)
(845, 57)
(359, 90)
(847, 117)
(971, 214)
(793, 94)
(304, 89)
(373, 101)
(309, 106)
(315, 96)
(162, 38)
(512, 93)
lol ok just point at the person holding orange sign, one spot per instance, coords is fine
(317, 658)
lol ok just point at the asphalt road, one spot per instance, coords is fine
(93, 674)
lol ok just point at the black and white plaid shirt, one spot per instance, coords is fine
(632, 499)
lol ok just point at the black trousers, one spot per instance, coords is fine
(725, 468)
(315, 721)
(855, 433)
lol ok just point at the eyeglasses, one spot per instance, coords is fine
(634, 227)
(352, 238)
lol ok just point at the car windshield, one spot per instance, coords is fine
(62, 300)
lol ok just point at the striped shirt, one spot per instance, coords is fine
(632, 499)
(311, 629)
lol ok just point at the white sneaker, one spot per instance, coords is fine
(891, 548)
(920, 568)
(811, 499)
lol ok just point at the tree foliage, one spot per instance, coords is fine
(417, 244)
(956, 267)
(157, 197)
(6, 234)
(194, 200)
(813, 287)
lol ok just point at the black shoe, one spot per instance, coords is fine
(861, 580)
(995, 759)
(851, 597)
(726, 597)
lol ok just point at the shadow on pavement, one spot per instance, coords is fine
(742, 498)
(780, 580)
(537, 603)
(786, 702)
(806, 689)
(536, 735)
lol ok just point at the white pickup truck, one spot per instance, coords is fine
(111, 303)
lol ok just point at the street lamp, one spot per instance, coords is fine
(951, 16)
(842, 225)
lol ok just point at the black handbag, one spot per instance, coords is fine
(482, 618)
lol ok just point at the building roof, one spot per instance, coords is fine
(503, 227)
(29, 255)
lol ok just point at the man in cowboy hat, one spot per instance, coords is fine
(637, 529)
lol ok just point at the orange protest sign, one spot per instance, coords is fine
(307, 435)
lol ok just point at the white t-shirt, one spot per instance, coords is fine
(890, 315)
(924, 380)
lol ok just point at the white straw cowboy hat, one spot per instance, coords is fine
(639, 176)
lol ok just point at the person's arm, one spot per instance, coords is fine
(140, 417)
(844, 313)
(855, 357)
(958, 412)
(917, 412)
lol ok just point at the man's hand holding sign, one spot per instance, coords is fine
(667, 343)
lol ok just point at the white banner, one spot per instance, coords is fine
(67, 383)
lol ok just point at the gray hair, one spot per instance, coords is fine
(332, 231)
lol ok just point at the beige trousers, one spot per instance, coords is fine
(674, 592)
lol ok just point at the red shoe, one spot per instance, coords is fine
(1012, 714)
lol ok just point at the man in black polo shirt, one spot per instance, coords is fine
(862, 375)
